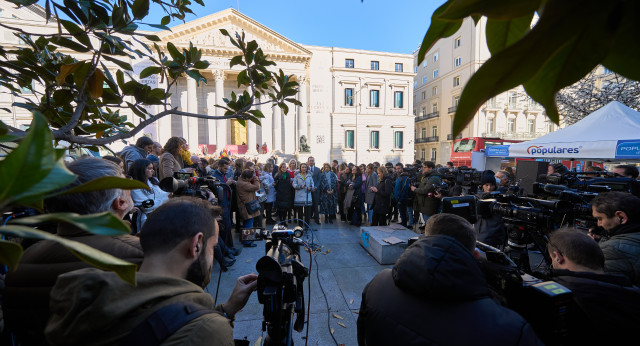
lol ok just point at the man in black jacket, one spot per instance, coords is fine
(605, 306)
(436, 294)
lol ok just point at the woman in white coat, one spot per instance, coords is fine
(142, 170)
(303, 186)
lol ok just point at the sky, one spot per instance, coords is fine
(396, 26)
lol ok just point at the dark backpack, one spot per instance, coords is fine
(161, 324)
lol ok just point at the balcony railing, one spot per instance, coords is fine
(450, 137)
(453, 109)
(421, 140)
(432, 139)
(433, 115)
(534, 107)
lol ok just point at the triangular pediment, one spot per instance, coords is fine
(205, 34)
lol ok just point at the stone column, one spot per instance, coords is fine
(251, 134)
(192, 107)
(164, 124)
(221, 125)
(302, 111)
(277, 129)
(211, 111)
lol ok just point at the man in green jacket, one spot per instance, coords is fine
(427, 200)
(91, 307)
(618, 213)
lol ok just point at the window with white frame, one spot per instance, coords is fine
(434, 91)
(435, 57)
(434, 131)
(435, 73)
(424, 63)
(490, 125)
(424, 95)
(374, 98)
(423, 132)
(415, 69)
(398, 101)
(398, 142)
(399, 67)
(434, 107)
(456, 81)
(348, 63)
(457, 42)
(424, 80)
(424, 111)
(456, 100)
(348, 96)
(375, 65)
(423, 154)
(511, 125)
(513, 98)
(374, 142)
(458, 61)
(549, 125)
(349, 139)
(531, 126)
(434, 154)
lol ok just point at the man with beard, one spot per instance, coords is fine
(91, 307)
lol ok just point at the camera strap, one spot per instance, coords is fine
(161, 324)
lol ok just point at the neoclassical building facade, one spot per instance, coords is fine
(356, 104)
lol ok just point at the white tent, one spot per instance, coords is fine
(611, 132)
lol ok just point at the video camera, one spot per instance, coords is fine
(280, 278)
(545, 304)
(183, 184)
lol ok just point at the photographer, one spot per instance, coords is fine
(618, 213)
(435, 287)
(91, 306)
(427, 197)
(491, 230)
(605, 306)
(246, 188)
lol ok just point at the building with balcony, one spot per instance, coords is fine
(438, 85)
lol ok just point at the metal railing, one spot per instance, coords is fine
(450, 137)
(453, 109)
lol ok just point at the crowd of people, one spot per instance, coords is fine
(435, 287)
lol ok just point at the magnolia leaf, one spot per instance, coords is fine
(140, 8)
(101, 224)
(438, 29)
(10, 253)
(494, 9)
(57, 178)
(65, 70)
(503, 33)
(151, 70)
(125, 270)
(24, 169)
(96, 82)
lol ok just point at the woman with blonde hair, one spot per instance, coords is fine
(303, 185)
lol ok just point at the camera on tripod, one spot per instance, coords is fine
(280, 278)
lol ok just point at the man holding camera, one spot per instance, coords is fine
(168, 305)
(435, 287)
(618, 213)
(427, 199)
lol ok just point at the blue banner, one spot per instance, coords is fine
(497, 151)
(628, 149)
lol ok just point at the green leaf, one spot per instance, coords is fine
(503, 33)
(175, 54)
(140, 8)
(24, 170)
(495, 9)
(101, 224)
(438, 29)
(57, 178)
(195, 74)
(123, 64)
(151, 70)
(165, 20)
(10, 253)
(125, 270)
(562, 25)
(623, 57)
(236, 60)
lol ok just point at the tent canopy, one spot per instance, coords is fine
(611, 132)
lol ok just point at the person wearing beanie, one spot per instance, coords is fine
(491, 230)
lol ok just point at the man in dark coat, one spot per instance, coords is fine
(618, 213)
(605, 306)
(427, 200)
(436, 294)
